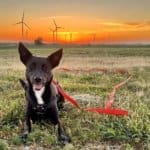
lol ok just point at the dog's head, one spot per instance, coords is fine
(39, 69)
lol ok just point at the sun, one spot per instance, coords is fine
(68, 37)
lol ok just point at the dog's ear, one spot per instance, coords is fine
(23, 83)
(24, 53)
(55, 58)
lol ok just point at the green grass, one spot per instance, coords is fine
(85, 128)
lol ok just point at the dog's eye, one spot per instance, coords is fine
(44, 68)
(33, 66)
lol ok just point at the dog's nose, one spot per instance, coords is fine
(37, 79)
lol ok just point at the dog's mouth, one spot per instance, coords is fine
(38, 86)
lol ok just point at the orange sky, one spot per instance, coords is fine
(91, 22)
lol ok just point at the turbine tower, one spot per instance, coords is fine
(53, 33)
(70, 37)
(93, 37)
(23, 24)
(56, 29)
(65, 36)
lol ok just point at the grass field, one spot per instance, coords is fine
(87, 130)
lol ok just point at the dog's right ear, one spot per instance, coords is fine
(55, 58)
(23, 83)
(24, 53)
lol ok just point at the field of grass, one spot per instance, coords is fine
(87, 130)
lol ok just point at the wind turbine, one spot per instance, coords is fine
(53, 33)
(65, 36)
(23, 24)
(70, 37)
(93, 37)
(56, 29)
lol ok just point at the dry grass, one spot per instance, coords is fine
(86, 62)
(105, 62)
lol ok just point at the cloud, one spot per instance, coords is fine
(148, 23)
(111, 23)
(115, 23)
(124, 26)
(135, 24)
(108, 23)
(54, 17)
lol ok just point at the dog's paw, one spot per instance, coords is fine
(64, 139)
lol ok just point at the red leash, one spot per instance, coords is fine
(107, 109)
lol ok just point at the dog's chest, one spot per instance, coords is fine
(38, 94)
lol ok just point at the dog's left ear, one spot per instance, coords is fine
(55, 58)
(25, 54)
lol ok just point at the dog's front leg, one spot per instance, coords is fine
(27, 126)
(62, 137)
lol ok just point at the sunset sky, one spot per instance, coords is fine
(82, 21)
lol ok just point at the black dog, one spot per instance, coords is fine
(42, 96)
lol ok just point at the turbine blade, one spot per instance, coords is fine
(60, 28)
(17, 23)
(26, 25)
(54, 22)
(23, 16)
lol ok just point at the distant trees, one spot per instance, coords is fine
(38, 41)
